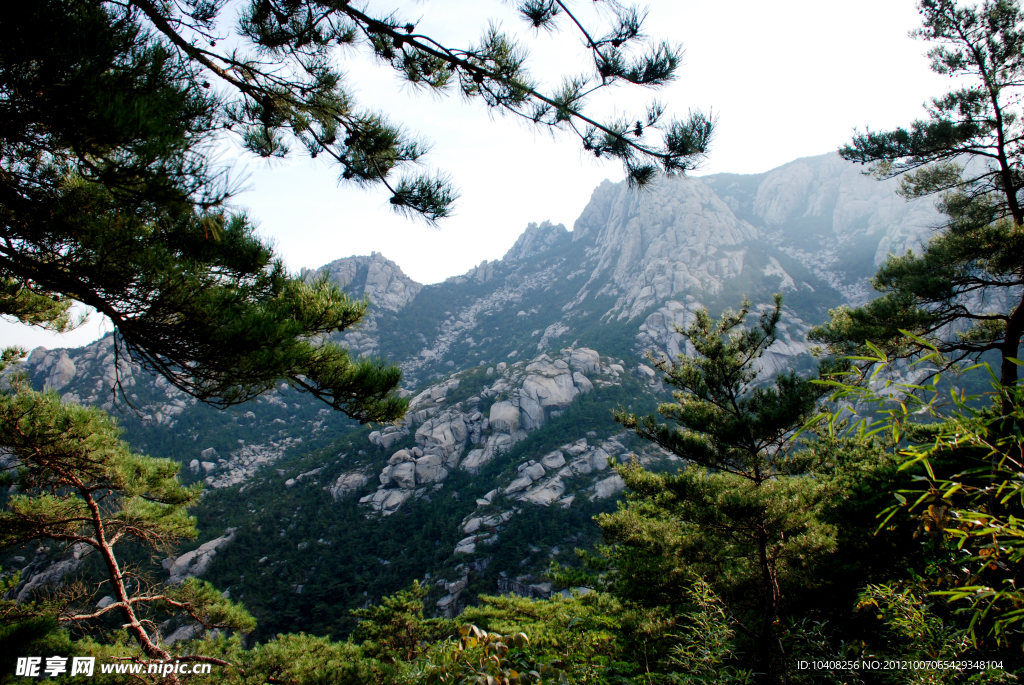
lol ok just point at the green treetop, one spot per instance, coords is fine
(740, 514)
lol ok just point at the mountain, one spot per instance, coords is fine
(513, 369)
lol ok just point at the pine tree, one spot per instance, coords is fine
(75, 482)
(963, 293)
(742, 514)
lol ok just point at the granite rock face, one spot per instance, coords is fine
(525, 395)
(375, 277)
(196, 562)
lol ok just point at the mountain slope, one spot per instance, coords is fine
(514, 368)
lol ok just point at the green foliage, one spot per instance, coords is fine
(967, 489)
(395, 629)
(28, 628)
(109, 198)
(304, 660)
(588, 637)
(704, 652)
(910, 628)
(74, 475)
(746, 513)
(479, 657)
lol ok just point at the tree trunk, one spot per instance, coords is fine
(132, 623)
(771, 652)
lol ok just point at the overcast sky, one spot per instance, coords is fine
(787, 79)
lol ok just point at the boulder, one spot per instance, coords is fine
(546, 493)
(388, 437)
(576, 448)
(195, 563)
(533, 472)
(209, 454)
(530, 412)
(400, 456)
(581, 466)
(403, 475)
(555, 392)
(347, 483)
(582, 383)
(608, 487)
(193, 466)
(386, 501)
(518, 485)
(429, 469)
(504, 417)
(447, 433)
(208, 466)
(599, 459)
(585, 360)
(553, 460)
(474, 460)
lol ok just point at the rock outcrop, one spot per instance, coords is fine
(195, 563)
(374, 277)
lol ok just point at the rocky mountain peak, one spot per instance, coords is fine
(536, 239)
(375, 277)
(676, 236)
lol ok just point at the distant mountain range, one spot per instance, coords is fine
(513, 369)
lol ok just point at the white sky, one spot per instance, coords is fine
(787, 79)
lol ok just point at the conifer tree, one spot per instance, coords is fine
(741, 514)
(76, 483)
(964, 293)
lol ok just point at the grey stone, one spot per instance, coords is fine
(504, 417)
(553, 460)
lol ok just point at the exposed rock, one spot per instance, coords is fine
(184, 633)
(389, 436)
(62, 371)
(585, 360)
(608, 487)
(445, 434)
(504, 417)
(387, 501)
(533, 472)
(545, 493)
(375, 277)
(43, 573)
(429, 469)
(553, 460)
(348, 483)
(518, 485)
(599, 459)
(536, 239)
(474, 460)
(583, 383)
(195, 563)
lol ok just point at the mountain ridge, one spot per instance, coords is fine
(512, 368)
